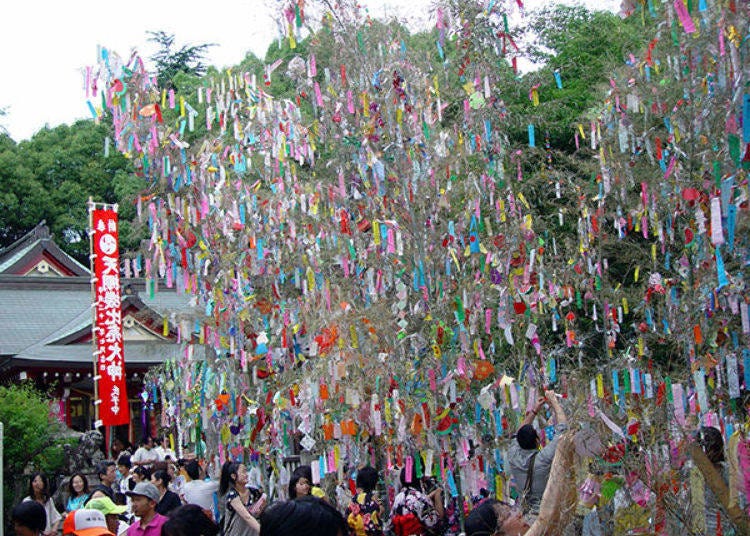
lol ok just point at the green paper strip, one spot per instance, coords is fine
(670, 399)
(734, 148)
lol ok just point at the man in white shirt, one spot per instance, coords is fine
(126, 478)
(199, 491)
(163, 450)
(146, 454)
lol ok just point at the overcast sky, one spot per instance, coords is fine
(45, 44)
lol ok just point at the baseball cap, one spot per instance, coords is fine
(146, 489)
(106, 506)
(85, 522)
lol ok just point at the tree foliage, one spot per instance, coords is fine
(51, 176)
(189, 59)
(582, 47)
(31, 436)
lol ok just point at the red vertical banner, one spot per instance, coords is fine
(114, 408)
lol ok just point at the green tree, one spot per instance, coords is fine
(170, 61)
(32, 436)
(51, 176)
(582, 47)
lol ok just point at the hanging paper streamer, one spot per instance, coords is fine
(684, 16)
(558, 79)
(717, 234)
(733, 380)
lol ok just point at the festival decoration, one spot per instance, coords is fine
(110, 360)
(378, 273)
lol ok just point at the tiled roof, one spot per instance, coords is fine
(32, 317)
(15, 256)
(42, 319)
(31, 246)
(136, 353)
(28, 316)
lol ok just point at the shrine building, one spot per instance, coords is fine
(46, 315)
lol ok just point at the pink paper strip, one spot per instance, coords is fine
(684, 16)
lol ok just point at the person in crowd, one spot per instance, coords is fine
(305, 516)
(494, 518)
(100, 490)
(39, 492)
(177, 479)
(189, 520)
(712, 444)
(164, 451)
(113, 514)
(413, 512)
(145, 497)
(529, 465)
(78, 492)
(364, 513)
(300, 484)
(84, 522)
(107, 473)
(237, 519)
(124, 466)
(146, 455)
(168, 500)
(197, 490)
(141, 474)
(118, 448)
(126, 482)
(29, 518)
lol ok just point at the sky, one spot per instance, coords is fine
(45, 45)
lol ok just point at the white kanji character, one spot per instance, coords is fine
(110, 265)
(114, 372)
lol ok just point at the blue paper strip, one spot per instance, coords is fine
(498, 424)
(616, 383)
(558, 80)
(720, 271)
(499, 462)
(731, 224)
(552, 370)
(451, 483)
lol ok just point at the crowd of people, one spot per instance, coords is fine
(150, 493)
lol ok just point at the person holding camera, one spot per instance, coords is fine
(530, 465)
